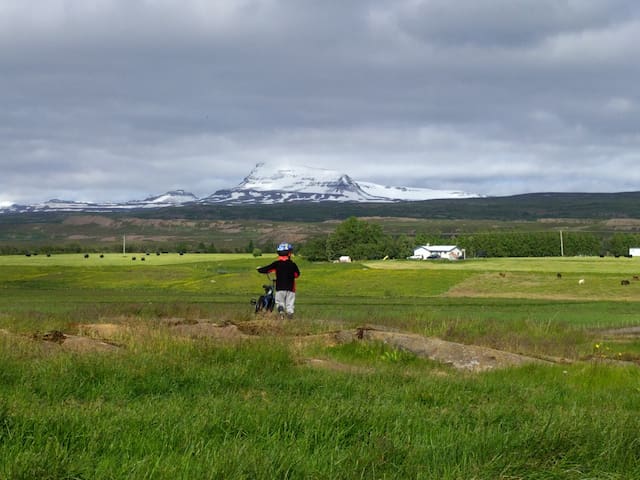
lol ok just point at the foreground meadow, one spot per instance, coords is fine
(277, 399)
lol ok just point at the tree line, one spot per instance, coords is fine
(149, 247)
(362, 240)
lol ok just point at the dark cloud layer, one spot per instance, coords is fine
(117, 99)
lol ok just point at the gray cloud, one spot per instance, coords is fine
(115, 99)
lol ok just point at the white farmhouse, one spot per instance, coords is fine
(447, 252)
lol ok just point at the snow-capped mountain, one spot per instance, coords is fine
(169, 199)
(266, 184)
(174, 197)
(270, 184)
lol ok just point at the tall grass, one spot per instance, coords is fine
(200, 410)
(164, 406)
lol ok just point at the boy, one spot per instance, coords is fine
(286, 273)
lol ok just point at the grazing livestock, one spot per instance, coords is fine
(86, 255)
(625, 282)
(581, 281)
(635, 277)
(559, 275)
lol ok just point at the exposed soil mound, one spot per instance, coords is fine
(75, 343)
(266, 327)
(174, 321)
(176, 326)
(55, 336)
(463, 357)
(208, 330)
(100, 337)
(81, 344)
(105, 331)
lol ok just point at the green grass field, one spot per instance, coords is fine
(169, 406)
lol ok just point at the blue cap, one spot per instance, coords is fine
(284, 247)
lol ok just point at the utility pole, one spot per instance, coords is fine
(124, 245)
(561, 245)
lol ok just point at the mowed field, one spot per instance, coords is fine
(115, 367)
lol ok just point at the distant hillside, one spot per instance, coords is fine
(240, 228)
(513, 208)
(519, 207)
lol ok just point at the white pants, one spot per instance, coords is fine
(285, 300)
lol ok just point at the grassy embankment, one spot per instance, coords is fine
(169, 407)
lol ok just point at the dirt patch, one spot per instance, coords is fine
(89, 220)
(208, 330)
(175, 321)
(105, 331)
(75, 343)
(462, 357)
(266, 327)
(177, 326)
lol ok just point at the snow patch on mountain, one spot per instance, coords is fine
(174, 197)
(169, 199)
(273, 184)
(265, 177)
(411, 194)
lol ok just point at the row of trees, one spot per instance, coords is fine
(116, 247)
(548, 244)
(363, 240)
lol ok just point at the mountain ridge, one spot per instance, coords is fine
(265, 184)
(268, 185)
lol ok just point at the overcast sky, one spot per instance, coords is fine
(119, 99)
